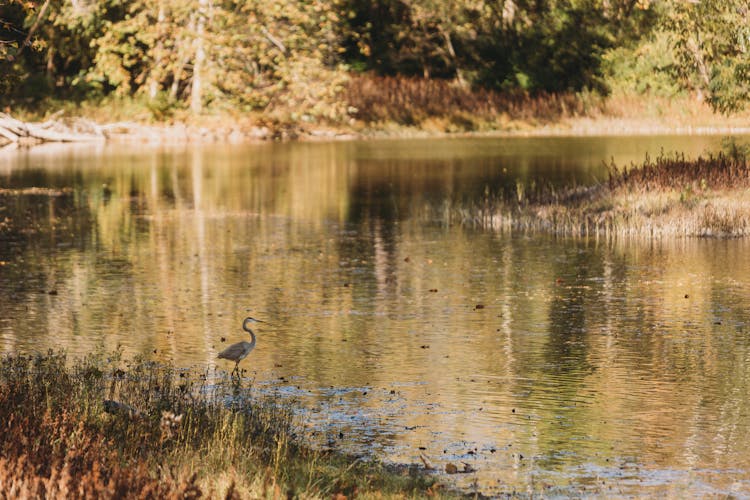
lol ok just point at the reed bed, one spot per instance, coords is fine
(668, 196)
(100, 427)
(434, 103)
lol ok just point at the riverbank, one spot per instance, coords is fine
(669, 196)
(217, 131)
(104, 427)
(383, 107)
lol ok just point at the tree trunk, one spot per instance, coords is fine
(157, 72)
(32, 30)
(454, 59)
(693, 46)
(196, 94)
(50, 66)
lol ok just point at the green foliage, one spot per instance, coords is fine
(642, 69)
(255, 55)
(290, 59)
(280, 56)
(711, 41)
(12, 35)
(162, 106)
(251, 54)
(735, 149)
(563, 50)
(554, 45)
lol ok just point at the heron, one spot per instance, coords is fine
(239, 351)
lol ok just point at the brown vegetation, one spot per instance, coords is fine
(432, 103)
(668, 196)
(721, 172)
(48, 450)
(112, 429)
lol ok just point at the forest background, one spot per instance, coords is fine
(450, 65)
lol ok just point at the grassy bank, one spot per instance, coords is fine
(668, 196)
(106, 428)
(401, 107)
(409, 106)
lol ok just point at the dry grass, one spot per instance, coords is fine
(400, 105)
(668, 196)
(440, 105)
(101, 428)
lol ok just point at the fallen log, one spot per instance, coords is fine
(53, 130)
(5, 132)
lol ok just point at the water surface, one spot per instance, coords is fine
(549, 365)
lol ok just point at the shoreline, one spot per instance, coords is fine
(584, 127)
(687, 119)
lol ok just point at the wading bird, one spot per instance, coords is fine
(239, 351)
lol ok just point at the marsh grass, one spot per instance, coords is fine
(103, 427)
(666, 196)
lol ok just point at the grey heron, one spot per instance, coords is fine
(239, 351)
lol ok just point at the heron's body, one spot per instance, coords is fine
(239, 351)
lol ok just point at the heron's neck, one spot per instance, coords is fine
(252, 335)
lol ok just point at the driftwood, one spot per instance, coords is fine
(53, 130)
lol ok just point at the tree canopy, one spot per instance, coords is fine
(296, 55)
(712, 46)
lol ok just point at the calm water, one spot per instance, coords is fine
(549, 365)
